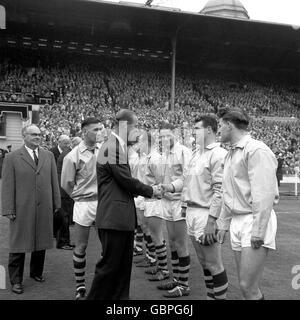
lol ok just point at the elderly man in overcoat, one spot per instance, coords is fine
(30, 196)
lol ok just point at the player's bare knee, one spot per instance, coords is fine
(214, 268)
(80, 248)
(182, 251)
(172, 243)
(181, 245)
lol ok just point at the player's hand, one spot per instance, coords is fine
(11, 217)
(221, 236)
(157, 191)
(167, 188)
(210, 231)
(256, 242)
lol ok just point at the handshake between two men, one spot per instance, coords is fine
(159, 190)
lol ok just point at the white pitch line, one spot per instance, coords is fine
(284, 212)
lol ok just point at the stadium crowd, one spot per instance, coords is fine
(94, 87)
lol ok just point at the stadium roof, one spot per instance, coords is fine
(201, 39)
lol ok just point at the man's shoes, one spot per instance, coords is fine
(152, 271)
(168, 285)
(66, 247)
(17, 288)
(177, 292)
(80, 294)
(160, 275)
(38, 278)
(140, 260)
(145, 263)
(137, 251)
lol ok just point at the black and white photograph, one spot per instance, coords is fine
(149, 150)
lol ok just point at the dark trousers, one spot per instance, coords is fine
(16, 265)
(113, 271)
(279, 178)
(62, 222)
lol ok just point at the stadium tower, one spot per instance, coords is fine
(225, 8)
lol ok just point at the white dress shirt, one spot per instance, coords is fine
(30, 151)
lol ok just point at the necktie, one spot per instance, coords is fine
(36, 160)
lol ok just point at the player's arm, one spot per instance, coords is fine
(151, 171)
(263, 183)
(216, 172)
(223, 222)
(122, 174)
(155, 167)
(185, 160)
(68, 175)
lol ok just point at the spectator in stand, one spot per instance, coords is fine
(81, 88)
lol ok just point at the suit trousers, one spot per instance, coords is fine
(63, 222)
(16, 265)
(113, 271)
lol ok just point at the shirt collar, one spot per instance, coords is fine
(121, 141)
(242, 142)
(31, 151)
(83, 147)
(59, 149)
(213, 145)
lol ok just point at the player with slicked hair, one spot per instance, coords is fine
(202, 201)
(249, 192)
(79, 180)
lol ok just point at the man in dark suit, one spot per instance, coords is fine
(65, 213)
(59, 219)
(30, 197)
(116, 214)
(64, 143)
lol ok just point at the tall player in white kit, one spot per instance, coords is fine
(249, 192)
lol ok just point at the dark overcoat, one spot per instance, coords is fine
(32, 193)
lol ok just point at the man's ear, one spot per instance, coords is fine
(230, 126)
